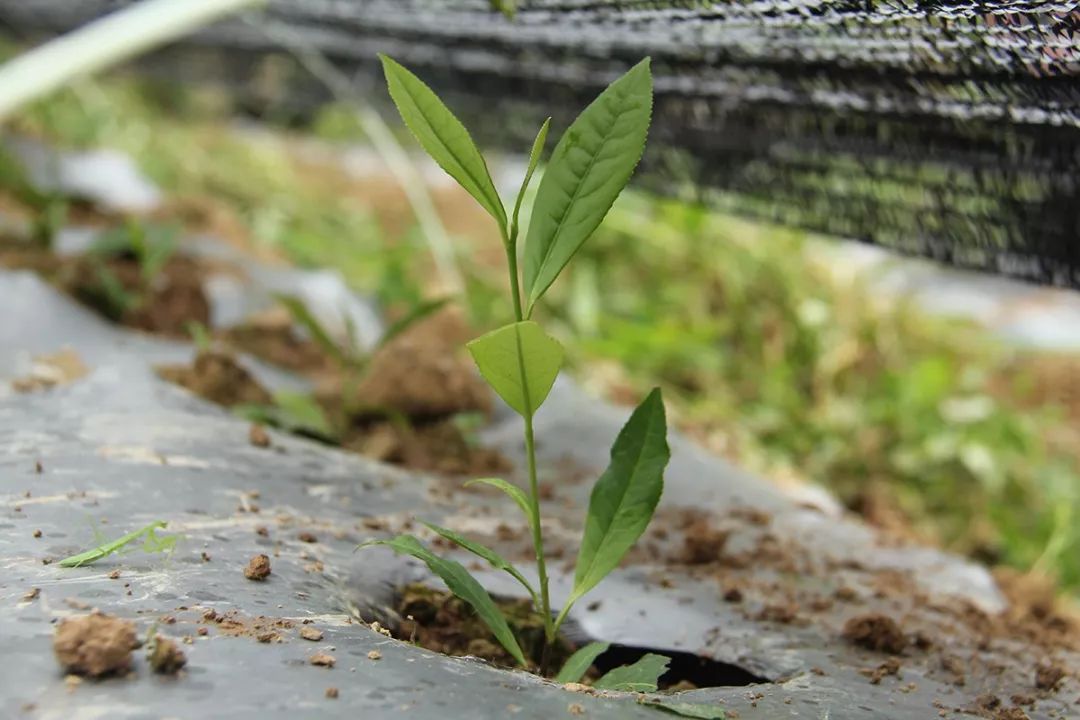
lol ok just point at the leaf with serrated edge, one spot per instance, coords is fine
(625, 497)
(462, 584)
(700, 711)
(588, 169)
(442, 135)
(516, 494)
(493, 558)
(520, 362)
(579, 663)
(642, 676)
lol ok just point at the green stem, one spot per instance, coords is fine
(510, 243)
(538, 536)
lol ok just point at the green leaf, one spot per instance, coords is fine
(443, 136)
(642, 676)
(516, 494)
(520, 362)
(579, 663)
(291, 411)
(590, 167)
(506, 7)
(701, 711)
(415, 315)
(534, 160)
(493, 558)
(303, 317)
(462, 584)
(625, 497)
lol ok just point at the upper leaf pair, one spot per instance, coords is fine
(590, 166)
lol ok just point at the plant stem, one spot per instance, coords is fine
(510, 241)
(538, 542)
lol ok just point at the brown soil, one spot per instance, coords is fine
(446, 624)
(166, 658)
(95, 645)
(424, 374)
(258, 568)
(438, 446)
(876, 632)
(258, 436)
(218, 377)
(166, 306)
(272, 338)
(322, 659)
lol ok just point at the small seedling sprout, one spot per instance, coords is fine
(152, 543)
(588, 169)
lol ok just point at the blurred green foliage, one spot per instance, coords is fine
(762, 351)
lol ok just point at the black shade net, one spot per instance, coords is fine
(944, 129)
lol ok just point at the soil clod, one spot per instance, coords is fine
(258, 436)
(95, 645)
(332, 693)
(258, 568)
(309, 633)
(322, 660)
(1048, 677)
(167, 658)
(876, 632)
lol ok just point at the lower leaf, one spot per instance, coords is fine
(642, 676)
(462, 584)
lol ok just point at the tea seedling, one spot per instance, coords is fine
(588, 169)
(152, 543)
(300, 413)
(152, 246)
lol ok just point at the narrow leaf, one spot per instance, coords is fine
(642, 676)
(516, 494)
(443, 136)
(462, 584)
(579, 663)
(588, 169)
(303, 317)
(506, 7)
(534, 160)
(520, 362)
(624, 498)
(415, 315)
(493, 558)
(701, 711)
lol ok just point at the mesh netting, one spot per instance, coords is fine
(947, 129)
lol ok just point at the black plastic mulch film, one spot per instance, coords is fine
(944, 129)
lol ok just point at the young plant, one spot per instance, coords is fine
(588, 169)
(151, 246)
(301, 413)
(152, 543)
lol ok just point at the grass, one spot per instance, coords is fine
(763, 354)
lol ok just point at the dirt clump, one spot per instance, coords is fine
(166, 658)
(258, 436)
(322, 659)
(332, 693)
(876, 632)
(218, 377)
(702, 544)
(95, 645)
(258, 568)
(273, 339)
(422, 373)
(309, 633)
(165, 304)
(876, 675)
(1049, 676)
(437, 446)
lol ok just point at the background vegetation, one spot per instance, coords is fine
(927, 426)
